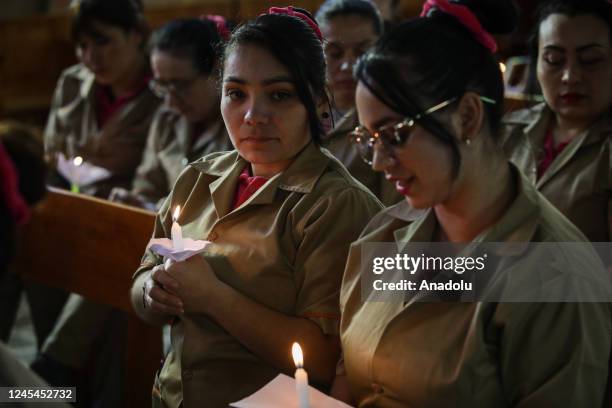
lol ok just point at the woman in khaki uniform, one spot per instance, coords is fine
(102, 107)
(564, 146)
(184, 59)
(276, 213)
(184, 56)
(350, 27)
(427, 98)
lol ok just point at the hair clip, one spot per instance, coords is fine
(290, 11)
(221, 24)
(466, 17)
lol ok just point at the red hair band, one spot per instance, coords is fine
(221, 24)
(290, 11)
(465, 17)
(9, 189)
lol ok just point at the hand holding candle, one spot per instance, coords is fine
(301, 377)
(176, 232)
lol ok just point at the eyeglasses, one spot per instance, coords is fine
(179, 87)
(393, 135)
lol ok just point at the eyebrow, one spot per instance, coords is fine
(268, 81)
(579, 49)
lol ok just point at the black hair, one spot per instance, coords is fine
(295, 45)
(25, 149)
(127, 15)
(425, 61)
(570, 8)
(195, 39)
(331, 9)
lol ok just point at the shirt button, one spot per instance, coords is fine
(185, 161)
(377, 388)
(187, 375)
(213, 236)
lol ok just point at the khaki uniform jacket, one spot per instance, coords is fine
(171, 145)
(73, 130)
(579, 180)
(285, 247)
(340, 145)
(474, 354)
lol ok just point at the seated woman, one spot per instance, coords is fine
(564, 145)
(276, 213)
(185, 56)
(350, 27)
(102, 107)
(429, 98)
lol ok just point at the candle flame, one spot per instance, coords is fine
(77, 161)
(176, 213)
(502, 67)
(298, 357)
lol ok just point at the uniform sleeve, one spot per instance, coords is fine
(331, 225)
(151, 181)
(150, 258)
(53, 134)
(555, 354)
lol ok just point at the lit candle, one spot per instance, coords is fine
(74, 187)
(301, 377)
(176, 232)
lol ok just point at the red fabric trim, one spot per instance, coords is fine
(106, 106)
(550, 152)
(246, 187)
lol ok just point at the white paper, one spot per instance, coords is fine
(280, 393)
(163, 247)
(81, 175)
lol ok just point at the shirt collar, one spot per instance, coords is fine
(301, 175)
(518, 224)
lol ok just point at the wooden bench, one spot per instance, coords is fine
(92, 247)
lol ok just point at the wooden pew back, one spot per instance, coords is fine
(92, 247)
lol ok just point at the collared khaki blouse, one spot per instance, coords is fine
(474, 354)
(339, 144)
(579, 180)
(285, 247)
(72, 129)
(171, 145)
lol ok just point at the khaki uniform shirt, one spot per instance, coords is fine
(579, 180)
(285, 247)
(340, 145)
(474, 354)
(171, 145)
(73, 130)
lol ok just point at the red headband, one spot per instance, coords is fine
(221, 24)
(290, 11)
(465, 17)
(9, 189)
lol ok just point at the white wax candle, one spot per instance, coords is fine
(301, 377)
(176, 232)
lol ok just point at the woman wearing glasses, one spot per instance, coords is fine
(429, 99)
(276, 213)
(102, 107)
(185, 57)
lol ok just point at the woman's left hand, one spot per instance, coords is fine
(197, 283)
